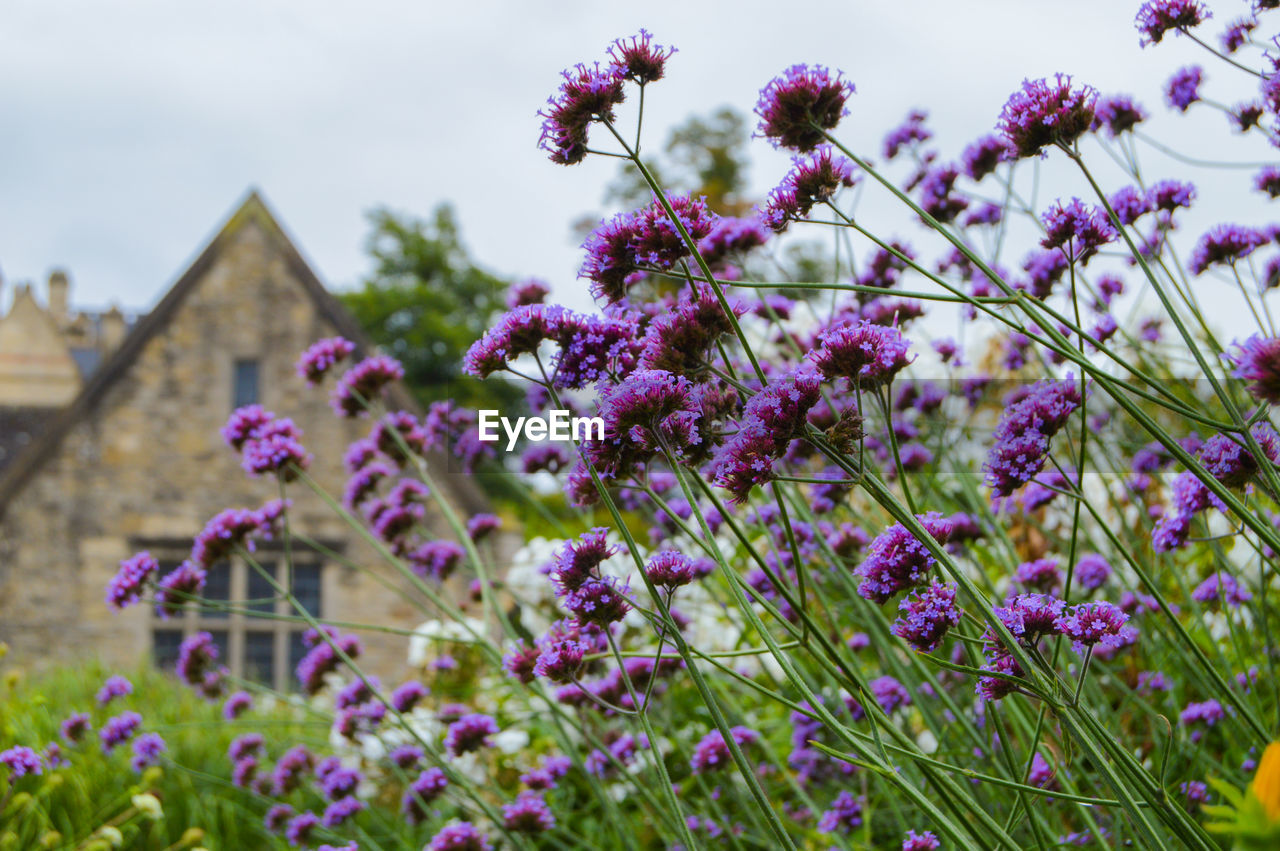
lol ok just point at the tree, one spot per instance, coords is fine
(425, 302)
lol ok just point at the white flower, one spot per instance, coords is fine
(511, 741)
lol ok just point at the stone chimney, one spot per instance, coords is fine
(113, 329)
(59, 290)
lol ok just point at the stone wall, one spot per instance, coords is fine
(147, 463)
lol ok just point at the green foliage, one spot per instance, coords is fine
(97, 790)
(425, 302)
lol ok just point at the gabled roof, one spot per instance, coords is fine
(253, 209)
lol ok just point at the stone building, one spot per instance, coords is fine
(109, 444)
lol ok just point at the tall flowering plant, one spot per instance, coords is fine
(836, 576)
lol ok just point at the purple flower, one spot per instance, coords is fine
(1183, 88)
(1045, 113)
(1268, 181)
(460, 836)
(115, 686)
(1157, 17)
(519, 332)
(638, 59)
(897, 560)
(196, 656)
(1221, 586)
(910, 132)
(1042, 774)
(1194, 792)
(21, 761)
(75, 726)
(134, 573)
(1118, 113)
(648, 411)
(339, 811)
(529, 813)
(236, 705)
(1169, 195)
(1028, 617)
(770, 420)
(1039, 575)
(812, 180)
(730, 235)
(579, 560)
(1077, 228)
(1129, 204)
(1201, 716)
(797, 106)
(937, 194)
(1092, 571)
(679, 339)
(844, 815)
(927, 616)
(528, 291)
(924, 841)
(1257, 360)
(1237, 34)
(469, 733)
(360, 385)
(118, 730)
(712, 753)
(619, 248)
(670, 569)
(322, 356)
(600, 601)
(1021, 439)
(1087, 624)
(146, 751)
(1224, 245)
(436, 559)
(242, 747)
(866, 354)
(177, 587)
(982, 156)
(560, 655)
(300, 827)
(480, 526)
(429, 786)
(890, 694)
(588, 93)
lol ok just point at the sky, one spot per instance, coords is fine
(133, 129)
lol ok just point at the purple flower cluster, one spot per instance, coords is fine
(127, 585)
(711, 753)
(266, 443)
(361, 385)
(770, 420)
(1257, 360)
(1077, 228)
(621, 249)
(1157, 17)
(318, 360)
(812, 180)
(896, 560)
(927, 616)
(1044, 113)
(1021, 439)
(796, 107)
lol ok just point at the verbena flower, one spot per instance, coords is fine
(1257, 360)
(519, 332)
(1039, 575)
(1237, 34)
(1201, 717)
(322, 356)
(300, 828)
(927, 616)
(981, 156)
(866, 354)
(844, 815)
(115, 686)
(711, 753)
(1077, 228)
(889, 693)
(923, 841)
(460, 836)
(770, 420)
(622, 248)
(588, 93)
(528, 291)
(670, 569)
(338, 812)
(1087, 624)
(812, 180)
(1157, 17)
(74, 727)
(938, 197)
(21, 761)
(470, 733)
(598, 601)
(1092, 571)
(428, 786)
(1044, 113)
(1221, 586)
(638, 59)
(731, 235)
(363, 383)
(1169, 195)
(1021, 439)
(896, 560)
(146, 751)
(528, 813)
(118, 730)
(127, 585)
(797, 106)
(1130, 204)
(679, 340)
(1118, 114)
(1183, 88)
(176, 587)
(909, 133)
(1223, 245)
(1268, 180)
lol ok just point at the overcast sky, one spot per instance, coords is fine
(132, 129)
